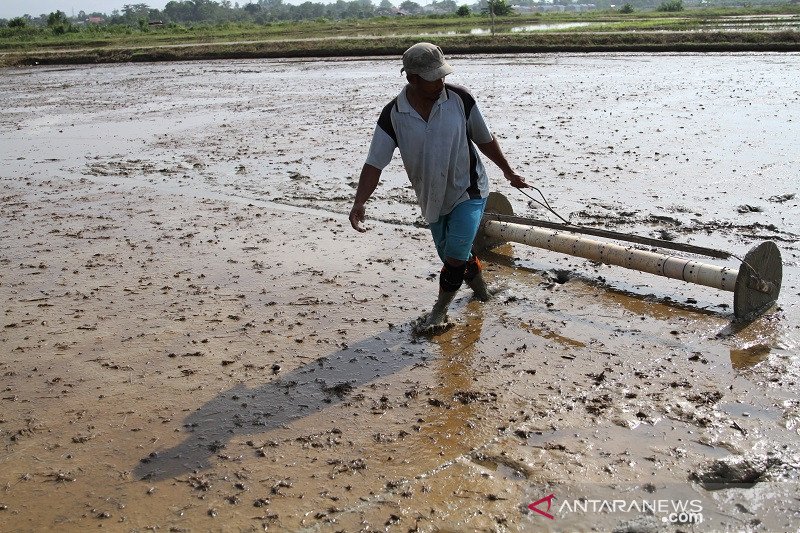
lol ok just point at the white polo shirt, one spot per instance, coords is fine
(439, 156)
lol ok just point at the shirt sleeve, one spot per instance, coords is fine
(381, 149)
(477, 128)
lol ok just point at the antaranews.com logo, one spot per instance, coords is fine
(670, 511)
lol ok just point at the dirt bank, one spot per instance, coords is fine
(588, 42)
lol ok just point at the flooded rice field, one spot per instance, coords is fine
(193, 338)
(759, 23)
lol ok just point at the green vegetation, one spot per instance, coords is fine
(59, 24)
(18, 22)
(58, 39)
(501, 8)
(670, 6)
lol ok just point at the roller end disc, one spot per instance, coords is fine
(758, 282)
(496, 203)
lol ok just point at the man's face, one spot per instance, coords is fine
(429, 90)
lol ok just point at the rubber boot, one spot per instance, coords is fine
(479, 287)
(474, 278)
(437, 318)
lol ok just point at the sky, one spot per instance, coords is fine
(15, 8)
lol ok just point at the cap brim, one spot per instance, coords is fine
(436, 74)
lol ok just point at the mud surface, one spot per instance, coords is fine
(194, 339)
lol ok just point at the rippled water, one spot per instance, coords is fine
(694, 148)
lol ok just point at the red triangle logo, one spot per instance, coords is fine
(534, 506)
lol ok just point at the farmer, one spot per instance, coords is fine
(435, 125)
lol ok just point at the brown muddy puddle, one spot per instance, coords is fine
(194, 339)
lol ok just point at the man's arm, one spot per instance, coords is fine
(492, 151)
(367, 183)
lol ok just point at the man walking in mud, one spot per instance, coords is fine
(436, 126)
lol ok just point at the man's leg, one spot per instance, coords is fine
(473, 275)
(450, 279)
(453, 235)
(439, 234)
(463, 224)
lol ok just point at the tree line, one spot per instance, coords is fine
(258, 11)
(189, 12)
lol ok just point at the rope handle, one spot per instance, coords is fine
(546, 204)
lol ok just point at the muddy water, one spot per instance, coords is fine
(194, 339)
(696, 148)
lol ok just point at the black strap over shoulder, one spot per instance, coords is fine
(469, 103)
(466, 97)
(385, 120)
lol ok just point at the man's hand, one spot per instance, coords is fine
(516, 180)
(357, 217)
(492, 151)
(367, 182)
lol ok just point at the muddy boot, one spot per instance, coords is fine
(474, 278)
(479, 287)
(436, 320)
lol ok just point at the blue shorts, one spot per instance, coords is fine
(454, 232)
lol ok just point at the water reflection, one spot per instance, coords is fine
(457, 379)
(546, 27)
(486, 31)
(732, 26)
(742, 358)
(515, 29)
(754, 341)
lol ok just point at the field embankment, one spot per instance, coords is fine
(787, 41)
(692, 31)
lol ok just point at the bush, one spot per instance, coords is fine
(501, 8)
(17, 22)
(671, 6)
(464, 11)
(57, 18)
(627, 8)
(58, 23)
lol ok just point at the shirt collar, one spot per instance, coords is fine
(405, 107)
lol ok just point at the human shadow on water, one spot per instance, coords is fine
(300, 393)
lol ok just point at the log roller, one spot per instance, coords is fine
(755, 285)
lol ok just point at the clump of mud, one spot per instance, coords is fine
(422, 328)
(746, 470)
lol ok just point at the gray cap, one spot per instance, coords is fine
(427, 60)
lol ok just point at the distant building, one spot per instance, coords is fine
(581, 7)
(434, 10)
(95, 20)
